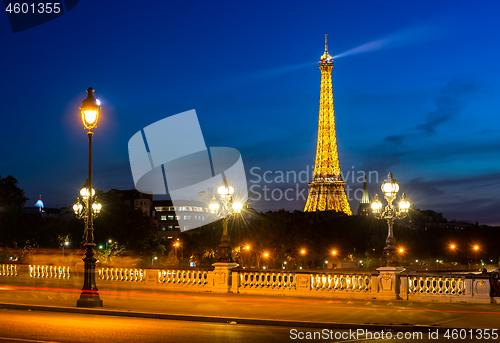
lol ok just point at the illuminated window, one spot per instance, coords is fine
(163, 218)
(187, 217)
(171, 217)
(177, 217)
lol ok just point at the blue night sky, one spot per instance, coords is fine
(416, 88)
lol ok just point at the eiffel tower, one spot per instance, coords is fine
(327, 191)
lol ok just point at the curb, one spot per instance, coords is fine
(230, 320)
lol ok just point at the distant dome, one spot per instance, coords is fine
(39, 203)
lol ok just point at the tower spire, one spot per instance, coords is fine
(327, 191)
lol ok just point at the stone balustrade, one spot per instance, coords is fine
(352, 285)
(190, 277)
(446, 287)
(387, 283)
(121, 274)
(8, 269)
(437, 285)
(49, 271)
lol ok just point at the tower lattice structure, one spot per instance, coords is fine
(327, 187)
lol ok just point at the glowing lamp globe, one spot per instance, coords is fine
(404, 205)
(90, 110)
(390, 187)
(376, 205)
(84, 192)
(214, 207)
(237, 206)
(96, 207)
(225, 191)
(78, 206)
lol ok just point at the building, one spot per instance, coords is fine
(166, 216)
(364, 208)
(136, 199)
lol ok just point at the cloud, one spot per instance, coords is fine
(461, 198)
(449, 103)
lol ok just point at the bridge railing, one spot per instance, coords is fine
(449, 287)
(385, 283)
(351, 285)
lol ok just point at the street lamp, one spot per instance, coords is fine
(89, 208)
(266, 255)
(476, 248)
(152, 260)
(177, 245)
(390, 189)
(226, 211)
(66, 243)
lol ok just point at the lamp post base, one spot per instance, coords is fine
(89, 301)
(389, 257)
(223, 255)
(89, 296)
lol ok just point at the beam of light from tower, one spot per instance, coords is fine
(409, 36)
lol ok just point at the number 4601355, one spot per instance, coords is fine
(41, 7)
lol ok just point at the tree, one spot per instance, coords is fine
(11, 196)
(12, 200)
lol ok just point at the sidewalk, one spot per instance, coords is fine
(264, 310)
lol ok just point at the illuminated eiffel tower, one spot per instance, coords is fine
(327, 187)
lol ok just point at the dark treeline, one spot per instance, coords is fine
(283, 236)
(21, 232)
(258, 240)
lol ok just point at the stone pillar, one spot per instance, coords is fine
(403, 286)
(151, 277)
(222, 280)
(235, 281)
(303, 282)
(388, 283)
(481, 289)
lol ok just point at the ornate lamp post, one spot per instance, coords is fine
(390, 189)
(88, 209)
(226, 211)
